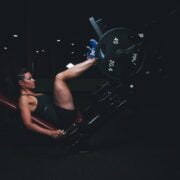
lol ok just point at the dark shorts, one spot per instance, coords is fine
(66, 116)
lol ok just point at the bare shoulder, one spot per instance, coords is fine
(22, 101)
(23, 98)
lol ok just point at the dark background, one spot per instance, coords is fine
(141, 140)
(39, 24)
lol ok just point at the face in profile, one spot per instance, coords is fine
(28, 82)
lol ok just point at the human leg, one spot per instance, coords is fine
(62, 95)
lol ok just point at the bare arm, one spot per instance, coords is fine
(26, 117)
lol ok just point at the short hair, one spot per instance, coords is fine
(20, 74)
(11, 86)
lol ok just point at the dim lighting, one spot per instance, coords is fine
(72, 52)
(141, 35)
(147, 72)
(131, 86)
(160, 70)
(72, 44)
(15, 35)
(37, 51)
(42, 50)
(5, 48)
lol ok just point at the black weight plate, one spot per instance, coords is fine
(120, 53)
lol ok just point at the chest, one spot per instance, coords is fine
(32, 101)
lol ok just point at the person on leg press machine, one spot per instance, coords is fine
(61, 111)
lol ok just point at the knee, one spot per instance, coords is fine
(59, 77)
(58, 81)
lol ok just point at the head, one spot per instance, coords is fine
(25, 79)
